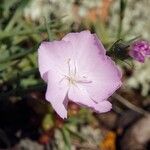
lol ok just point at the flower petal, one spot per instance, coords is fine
(99, 44)
(137, 56)
(105, 76)
(56, 93)
(86, 46)
(103, 106)
(93, 64)
(78, 94)
(53, 56)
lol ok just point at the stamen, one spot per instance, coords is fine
(75, 69)
(61, 79)
(84, 81)
(69, 69)
(72, 75)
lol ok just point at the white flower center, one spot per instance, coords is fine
(73, 76)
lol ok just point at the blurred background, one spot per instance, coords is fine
(27, 121)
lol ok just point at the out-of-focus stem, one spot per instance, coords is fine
(130, 105)
(121, 16)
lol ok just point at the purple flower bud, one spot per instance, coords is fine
(140, 49)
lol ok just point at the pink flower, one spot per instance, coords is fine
(140, 49)
(77, 69)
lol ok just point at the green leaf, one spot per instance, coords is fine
(18, 55)
(76, 134)
(66, 137)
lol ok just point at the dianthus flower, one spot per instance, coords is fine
(77, 69)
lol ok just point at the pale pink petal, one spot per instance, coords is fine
(105, 77)
(99, 44)
(79, 95)
(86, 46)
(84, 39)
(103, 106)
(88, 52)
(56, 93)
(54, 55)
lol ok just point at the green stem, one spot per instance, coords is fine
(121, 16)
(5, 34)
(47, 28)
(19, 55)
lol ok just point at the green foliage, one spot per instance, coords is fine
(19, 40)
